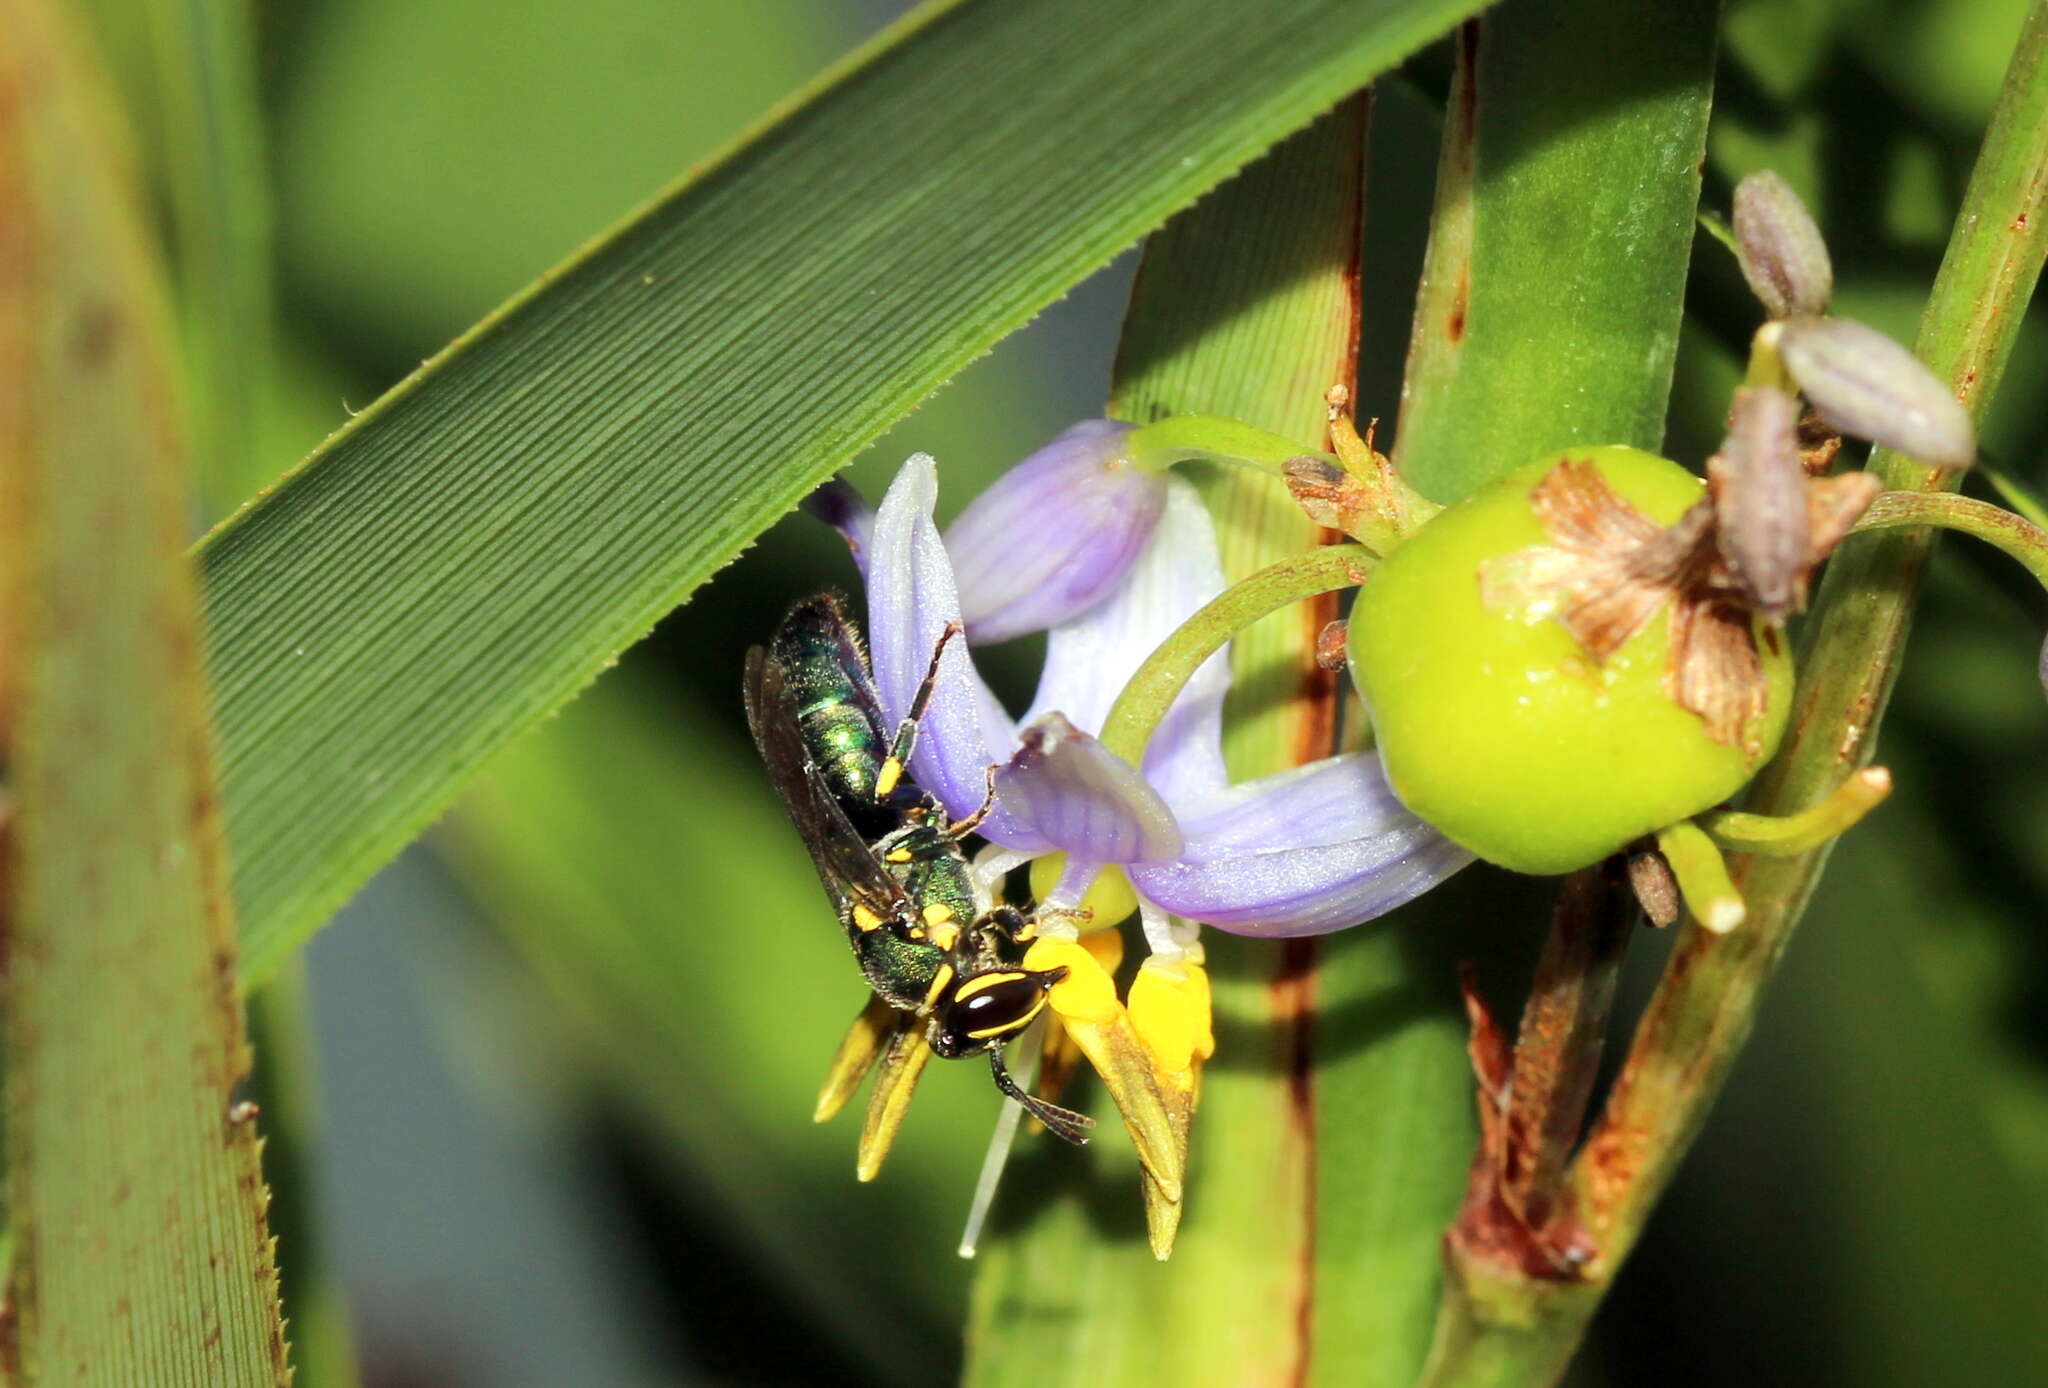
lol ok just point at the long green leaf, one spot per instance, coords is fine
(474, 548)
(1555, 278)
(137, 1203)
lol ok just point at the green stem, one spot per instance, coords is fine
(1212, 438)
(1766, 367)
(1784, 836)
(1144, 701)
(1706, 1004)
(2016, 535)
(1702, 876)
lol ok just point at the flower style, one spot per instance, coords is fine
(1113, 559)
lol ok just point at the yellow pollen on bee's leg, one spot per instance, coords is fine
(865, 920)
(939, 981)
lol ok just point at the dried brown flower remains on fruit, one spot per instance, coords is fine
(1611, 569)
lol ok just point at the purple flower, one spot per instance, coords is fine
(1304, 852)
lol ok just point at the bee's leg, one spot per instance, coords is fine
(906, 731)
(1060, 1122)
(960, 829)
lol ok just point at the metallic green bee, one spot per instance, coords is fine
(931, 939)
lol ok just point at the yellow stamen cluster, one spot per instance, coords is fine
(1148, 1053)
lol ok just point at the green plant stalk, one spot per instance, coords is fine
(1136, 714)
(1188, 438)
(136, 1200)
(1781, 835)
(2013, 535)
(469, 552)
(1519, 1331)
(1702, 876)
(1245, 307)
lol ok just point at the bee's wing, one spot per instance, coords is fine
(852, 873)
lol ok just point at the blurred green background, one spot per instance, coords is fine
(565, 1052)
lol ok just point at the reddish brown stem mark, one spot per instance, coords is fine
(1532, 1101)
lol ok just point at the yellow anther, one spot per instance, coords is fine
(887, 777)
(1108, 900)
(866, 920)
(1205, 1008)
(1107, 946)
(1170, 1012)
(1087, 993)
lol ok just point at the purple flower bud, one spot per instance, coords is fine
(1779, 247)
(1761, 521)
(1054, 535)
(1865, 384)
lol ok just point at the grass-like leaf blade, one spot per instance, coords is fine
(137, 1202)
(1565, 205)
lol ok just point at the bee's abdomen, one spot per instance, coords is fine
(822, 660)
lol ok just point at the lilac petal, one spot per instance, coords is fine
(911, 602)
(1084, 799)
(1054, 535)
(1090, 659)
(1304, 852)
(838, 505)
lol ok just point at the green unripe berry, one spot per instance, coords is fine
(1497, 728)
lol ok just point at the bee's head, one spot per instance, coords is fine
(989, 1008)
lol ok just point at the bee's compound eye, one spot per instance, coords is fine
(992, 1005)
